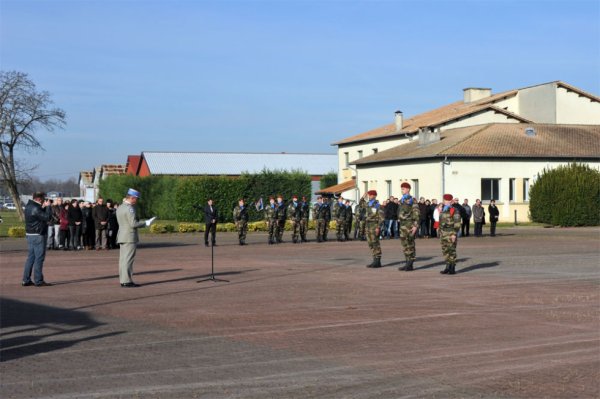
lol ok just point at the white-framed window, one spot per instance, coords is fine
(415, 188)
(526, 190)
(490, 189)
(346, 159)
(388, 185)
(360, 154)
(365, 186)
(512, 187)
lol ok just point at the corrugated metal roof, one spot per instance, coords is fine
(229, 163)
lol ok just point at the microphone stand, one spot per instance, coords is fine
(212, 265)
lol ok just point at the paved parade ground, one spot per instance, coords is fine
(520, 319)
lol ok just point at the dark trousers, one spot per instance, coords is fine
(432, 231)
(36, 254)
(212, 229)
(465, 227)
(493, 228)
(63, 239)
(424, 228)
(478, 229)
(75, 233)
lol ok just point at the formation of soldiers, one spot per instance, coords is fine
(368, 218)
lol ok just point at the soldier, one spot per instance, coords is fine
(339, 213)
(270, 213)
(280, 216)
(360, 223)
(450, 222)
(293, 214)
(408, 220)
(127, 237)
(318, 219)
(240, 217)
(374, 217)
(304, 216)
(348, 226)
(326, 214)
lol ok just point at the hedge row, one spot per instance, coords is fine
(185, 227)
(182, 198)
(566, 196)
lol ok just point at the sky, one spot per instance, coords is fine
(274, 76)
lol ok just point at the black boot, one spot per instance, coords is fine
(409, 265)
(446, 270)
(452, 270)
(372, 264)
(377, 263)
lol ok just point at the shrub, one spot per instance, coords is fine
(189, 227)
(566, 196)
(16, 231)
(161, 228)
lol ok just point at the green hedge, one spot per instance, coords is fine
(328, 180)
(566, 196)
(173, 198)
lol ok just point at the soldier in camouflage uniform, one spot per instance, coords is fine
(319, 219)
(360, 223)
(270, 213)
(348, 226)
(374, 217)
(240, 218)
(408, 223)
(339, 213)
(293, 214)
(450, 222)
(326, 213)
(304, 216)
(280, 215)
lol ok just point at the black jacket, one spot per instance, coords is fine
(74, 215)
(494, 213)
(210, 215)
(36, 218)
(100, 214)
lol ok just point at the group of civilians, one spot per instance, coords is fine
(78, 224)
(430, 216)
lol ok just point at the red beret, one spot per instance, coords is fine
(448, 197)
(405, 185)
(295, 196)
(372, 192)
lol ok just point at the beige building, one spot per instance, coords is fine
(485, 146)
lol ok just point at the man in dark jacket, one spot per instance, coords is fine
(210, 222)
(37, 214)
(100, 214)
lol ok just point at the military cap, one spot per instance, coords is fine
(448, 197)
(405, 185)
(133, 193)
(372, 192)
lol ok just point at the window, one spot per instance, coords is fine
(365, 186)
(360, 154)
(526, 190)
(490, 189)
(511, 189)
(415, 188)
(374, 150)
(346, 159)
(388, 184)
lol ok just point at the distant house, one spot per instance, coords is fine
(89, 181)
(233, 164)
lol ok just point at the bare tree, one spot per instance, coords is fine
(24, 110)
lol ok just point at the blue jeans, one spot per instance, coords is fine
(35, 259)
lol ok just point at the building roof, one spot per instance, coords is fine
(450, 112)
(86, 177)
(337, 189)
(111, 169)
(235, 163)
(501, 140)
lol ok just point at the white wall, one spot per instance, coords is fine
(538, 103)
(575, 109)
(480, 119)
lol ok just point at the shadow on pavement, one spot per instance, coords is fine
(442, 263)
(198, 277)
(44, 324)
(402, 262)
(113, 276)
(478, 266)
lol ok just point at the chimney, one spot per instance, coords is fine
(398, 120)
(472, 94)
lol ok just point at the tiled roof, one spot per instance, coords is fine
(437, 117)
(338, 188)
(108, 170)
(232, 164)
(501, 140)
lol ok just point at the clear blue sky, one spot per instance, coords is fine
(275, 76)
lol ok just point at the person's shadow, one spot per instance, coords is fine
(402, 262)
(478, 266)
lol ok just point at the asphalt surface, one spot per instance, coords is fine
(520, 319)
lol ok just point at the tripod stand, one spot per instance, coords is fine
(212, 268)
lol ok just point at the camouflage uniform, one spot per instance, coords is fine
(304, 216)
(450, 222)
(373, 216)
(326, 212)
(270, 211)
(240, 217)
(339, 212)
(293, 214)
(349, 218)
(360, 223)
(408, 217)
(280, 216)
